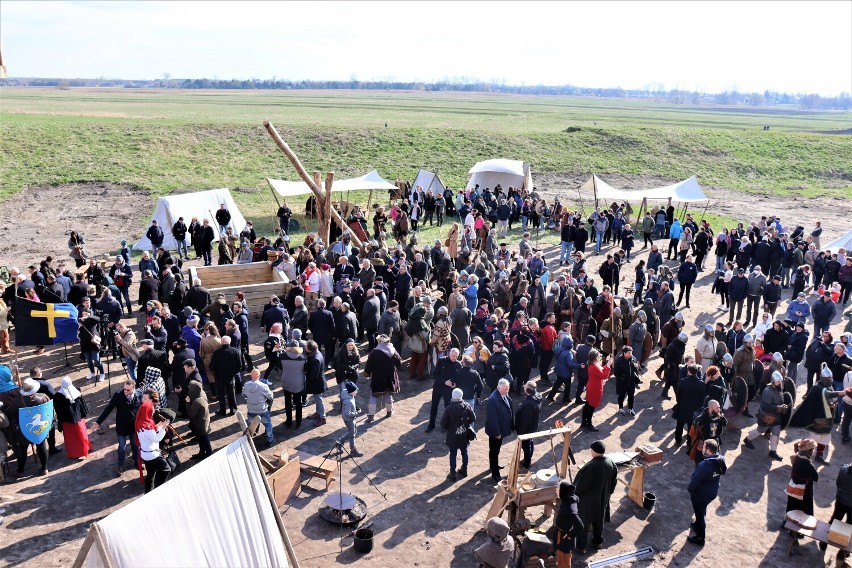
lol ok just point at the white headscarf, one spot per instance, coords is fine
(68, 389)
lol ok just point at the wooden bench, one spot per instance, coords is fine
(819, 534)
(312, 465)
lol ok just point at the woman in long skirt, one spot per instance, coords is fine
(71, 411)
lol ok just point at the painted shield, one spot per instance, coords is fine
(35, 421)
(788, 400)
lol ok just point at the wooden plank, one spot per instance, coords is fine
(84, 550)
(498, 505)
(285, 481)
(566, 449)
(99, 542)
(544, 433)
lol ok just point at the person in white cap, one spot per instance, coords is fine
(456, 421)
(769, 416)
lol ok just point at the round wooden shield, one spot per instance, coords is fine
(785, 418)
(789, 386)
(739, 393)
(647, 347)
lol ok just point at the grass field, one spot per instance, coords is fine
(168, 140)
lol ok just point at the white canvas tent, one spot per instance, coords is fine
(218, 513)
(201, 204)
(371, 180)
(844, 242)
(507, 173)
(687, 191)
(429, 180)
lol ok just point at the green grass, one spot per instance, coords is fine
(169, 140)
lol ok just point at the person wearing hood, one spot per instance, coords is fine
(199, 418)
(457, 419)
(500, 548)
(626, 371)
(292, 380)
(149, 434)
(259, 403)
(564, 367)
(527, 420)
(776, 339)
(381, 368)
(704, 488)
(672, 360)
(567, 525)
(769, 416)
(816, 412)
(803, 475)
(71, 412)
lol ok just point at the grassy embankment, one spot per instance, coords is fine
(163, 141)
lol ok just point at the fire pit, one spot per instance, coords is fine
(343, 508)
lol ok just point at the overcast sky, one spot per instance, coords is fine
(707, 46)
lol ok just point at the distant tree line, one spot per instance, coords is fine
(677, 96)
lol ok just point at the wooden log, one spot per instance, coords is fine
(326, 235)
(300, 169)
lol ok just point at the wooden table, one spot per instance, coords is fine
(819, 534)
(636, 485)
(311, 465)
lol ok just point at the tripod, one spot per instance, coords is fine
(67, 363)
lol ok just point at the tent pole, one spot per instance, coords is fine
(329, 181)
(595, 188)
(705, 210)
(278, 520)
(300, 169)
(683, 215)
(84, 549)
(367, 211)
(99, 541)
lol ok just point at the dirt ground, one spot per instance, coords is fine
(419, 518)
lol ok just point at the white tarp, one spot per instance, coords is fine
(507, 173)
(371, 180)
(201, 204)
(428, 180)
(215, 514)
(686, 191)
(844, 242)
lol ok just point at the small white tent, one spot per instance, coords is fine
(686, 191)
(218, 513)
(844, 242)
(201, 204)
(371, 180)
(428, 180)
(507, 173)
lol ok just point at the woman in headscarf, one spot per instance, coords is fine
(148, 437)
(153, 380)
(71, 411)
(441, 338)
(498, 551)
(567, 524)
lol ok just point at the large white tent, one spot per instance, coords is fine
(218, 513)
(429, 180)
(844, 242)
(201, 204)
(371, 180)
(686, 191)
(507, 173)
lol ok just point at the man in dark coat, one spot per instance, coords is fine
(321, 325)
(179, 372)
(690, 394)
(155, 235)
(582, 358)
(442, 387)
(275, 314)
(149, 289)
(381, 368)
(499, 424)
(205, 240)
(595, 483)
(370, 316)
(150, 357)
(672, 360)
(527, 420)
(225, 363)
(704, 487)
(122, 402)
(315, 382)
(198, 297)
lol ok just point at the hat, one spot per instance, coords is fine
(801, 295)
(776, 377)
(383, 338)
(748, 338)
(529, 388)
(800, 324)
(741, 271)
(777, 357)
(350, 387)
(826, 372)
(296, 333)
(29, 387)
(827, 293)
(457, 394)
(598, 447)
(149, 342)
(292, 343)
(709, 327)
(350, 340)
(777, 277)
(589, 301)
(683, 337)
(806, 445)
(679, 316)
(727, 357)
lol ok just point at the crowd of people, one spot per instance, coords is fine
(497, 328)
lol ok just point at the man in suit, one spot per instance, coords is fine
(499, 424)
(275, 314)
(321, 325)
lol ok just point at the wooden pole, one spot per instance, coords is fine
(329, 181)
(322, 220)
(300, 169)
(84, 550)
(367, 211)
(99, 542)
(595, 188)
(683, 215)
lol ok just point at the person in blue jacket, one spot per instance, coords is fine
(799, 309)
(704, 487)
(675, 231)
(564, 368)
(499, 424)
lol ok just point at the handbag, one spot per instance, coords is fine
(795, 490)
(471, 433)
(768, 419)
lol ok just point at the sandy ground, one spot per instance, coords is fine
(419, 518)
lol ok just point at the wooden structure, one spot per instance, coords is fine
(311, 465)
(511, 493)
(257, 280)
(325, 212)
(819, 534)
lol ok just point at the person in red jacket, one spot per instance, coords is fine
(546, 336)
(594, 388)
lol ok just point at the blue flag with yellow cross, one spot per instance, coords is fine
(44, 324)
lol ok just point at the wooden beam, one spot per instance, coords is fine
(300, 169)
(84, 550)
(99, 542)
(329, 182)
